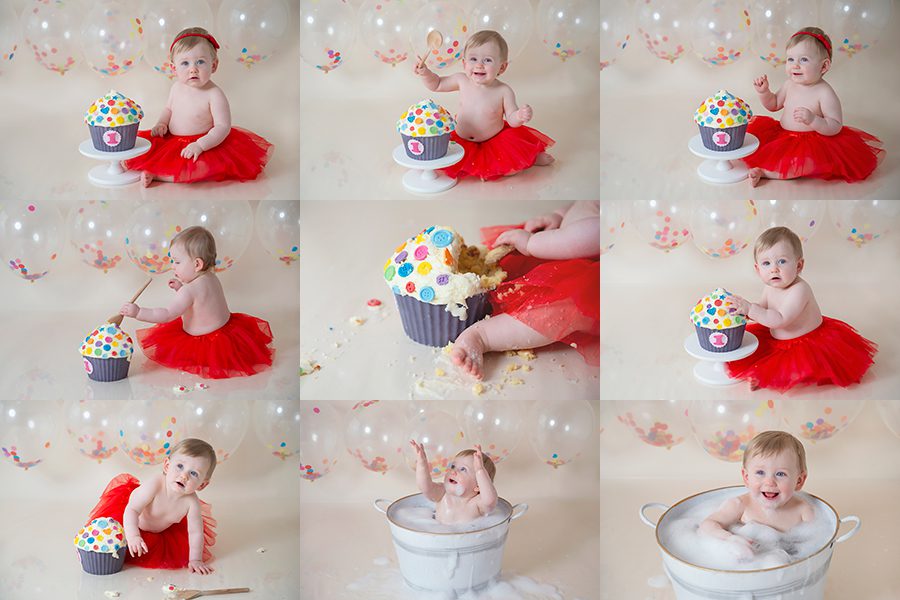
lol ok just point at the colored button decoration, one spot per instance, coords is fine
(723, 110)
(105, 535)
(717, 311)
(426, 119)
(442, 238)
(108, 341)
(113, 110)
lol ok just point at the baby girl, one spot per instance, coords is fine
(553, 290)
(194, 139)
(797, 345)
(166, 525)
(196, 332)
(774, 468)
(468, 490)
(490, 126)
(811, 139)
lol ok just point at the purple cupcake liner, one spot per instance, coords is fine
(734, 138)
(431, 325)
(101, 563)
(127, 135)
(428, 148)
(106, 369)
(720, 340)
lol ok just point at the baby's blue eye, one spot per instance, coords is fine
(181, 466)
(804, 59)
(765, 263)
(781, 474)
(759, 472)
(193, 473)
(782, 262)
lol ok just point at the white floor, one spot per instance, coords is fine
(348, 269)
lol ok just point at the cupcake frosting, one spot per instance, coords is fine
(436, 266)
(113, 110)
(426, 119)
(108, 341)
(104, 535)
(723, 110)
(717, 311)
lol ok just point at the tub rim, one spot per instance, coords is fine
(512, 516)
(829, 544)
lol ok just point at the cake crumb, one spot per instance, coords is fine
(357, 320)
(150, 578)
(260, 550)
(514, 381)
(308, 367)
(439, 372)
(574, 345)
(527, 354)
(478, 389)
(448, 348)
(111, 594)
(513, 367)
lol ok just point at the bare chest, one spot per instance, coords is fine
(448, 513)
(160, 514)
(191, 114)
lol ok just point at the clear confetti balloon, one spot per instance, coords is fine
(278, 426)
(384, 29)
(562, 430)
(663, 27)
(163, 20)
(253, 30)
(495, 424)
(774, 22)
(148, 430)
(31, 234)
(93, 427)
(720, 31)
(861, 222)
(9, 35)
(890, 414)
(568, 27)
(327, 31)
(229, 221)
(319, 438)
(723, 228)
(112, 37)
(855, 25)
(453, 23)
(817, 420)
(36, 384)
(659, 423)
(724, 428)
(147, 235)
(374, 435)
(612, 222)
(97, 231)
(803, 217)
(513, 19)
(26, 430)
(278, 228)
(51, 33)
(222, 424)
(440, 434)
(664, 224)
(616, 25)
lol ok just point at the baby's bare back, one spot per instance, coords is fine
(191, 114)
(209, 309)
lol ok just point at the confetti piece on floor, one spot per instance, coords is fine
(111, 594)
(439, 372)
(308, 366)
(373, 303)
(356, 321)
(260, 550)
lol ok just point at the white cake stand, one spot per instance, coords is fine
(113, 174)
(711, 368)
(422, 177)
(718, 168)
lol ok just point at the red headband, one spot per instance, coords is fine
(819, 37)
(205, 36)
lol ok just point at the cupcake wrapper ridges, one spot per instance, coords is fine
(107, 369)
(100, 563)
(431, 325)
(725, 340)
(432, 147)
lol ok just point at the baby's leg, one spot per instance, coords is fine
(802, 170)
(499, 333)
(543, 159)
(146, 179)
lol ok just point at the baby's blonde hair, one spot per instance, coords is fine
(773, 235)
(197, 449)
(820, 47)
(187, 43)
(485, 460)
(487, 36)
(198, 242)
(770, 443)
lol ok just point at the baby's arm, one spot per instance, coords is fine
(832, 120)
(183, 300)
(546, 221)
(162, 125)
(221, 114)
(140, 497)
(431, 490)
(486, 499)
(772, 101)
(580, 239)
(791, 308)
(515, 116)
(195, 539)
(716, 525)
(435, 82)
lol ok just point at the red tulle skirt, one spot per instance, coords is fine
(241, 156)
(850, 155)
(560, 299)
(512, 150)
(167, 549)
(239, 348)
(833, 353)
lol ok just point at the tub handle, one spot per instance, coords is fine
(853, 531)
(516, 513)
(377, 505)
(644, 518)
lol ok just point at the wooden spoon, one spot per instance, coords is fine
(189, 594)
(117, 320)
(434, 39)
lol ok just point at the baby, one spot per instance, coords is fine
(166, 525)
(810, 140)
(197, 333)
(553, 290)
(774, 468)
(797, 345)
(194, 139)
(490, 126)
(468, 491)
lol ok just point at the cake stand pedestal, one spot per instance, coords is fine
(718, 168)
(711, 368)
(112, 174)
(422, 177)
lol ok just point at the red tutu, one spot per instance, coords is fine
(240, 347)
(241, 156)
(560, 299)
(512, 150)
(851, 155)
(832, 353)
(167, 549)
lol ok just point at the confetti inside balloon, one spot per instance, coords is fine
(221, 424)
(568, 27)
(562, 430)
(664, 224)
(449, 19)
(495, 424)
(724, 228)
(663, 28)
(97, 230)
(252, 31)
(278, 229)
(721, 31)
(861, 222)
(724, 429)
(148, 430)
(855, 25)
(817, 420)
(26, 428)
(803, 217)
(327, 30)
(31, 234)
(147, 235)
(163, 20)
(52, 34)
(319, 438)
(374, 437)
(441, 437)
(658, 423)
(93, 428)
(112, 37)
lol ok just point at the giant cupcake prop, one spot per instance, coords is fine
(723, 120)
(719, 326)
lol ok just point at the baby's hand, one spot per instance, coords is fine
(159, 130)
(478, 458)
(420, 68)
(741, 547)
(515, 237)
(192, 151)
(742, 306)
(803, 115)
(198, 566)
(175, 284)
(420, 452)
(761, 84)
(525, 113)
(129, 309)
(136, 546)
(548, 221)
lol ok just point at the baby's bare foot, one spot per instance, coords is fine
(468, 352)
(543, 159)
(146, 179)
(755, 175)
